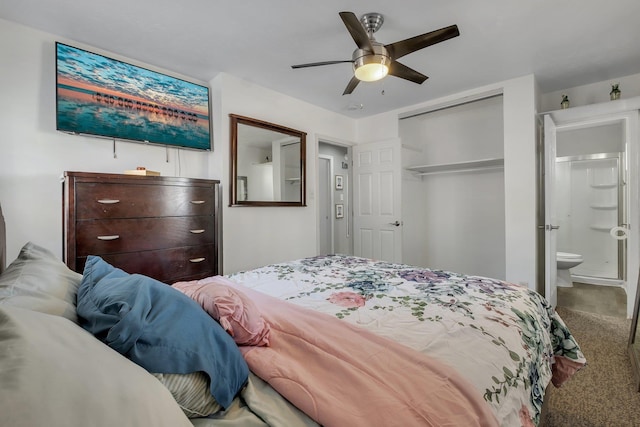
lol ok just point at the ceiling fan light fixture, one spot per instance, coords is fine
(372, 68)
(372, 71)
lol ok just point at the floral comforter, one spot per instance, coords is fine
(504, 338)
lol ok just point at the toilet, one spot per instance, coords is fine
(565, 262)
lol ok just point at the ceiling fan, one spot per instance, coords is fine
(372, 60)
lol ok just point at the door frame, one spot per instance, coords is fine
(348, 213)
(628, 113)
(321, 211)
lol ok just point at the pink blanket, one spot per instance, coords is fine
(341, 375)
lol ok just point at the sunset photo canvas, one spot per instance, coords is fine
(105, 97)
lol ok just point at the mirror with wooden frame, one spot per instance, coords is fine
(268, 164)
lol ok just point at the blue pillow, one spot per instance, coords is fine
(158, 327)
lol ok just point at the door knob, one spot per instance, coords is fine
(397, 223)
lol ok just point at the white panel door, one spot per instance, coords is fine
(550, 214)
(377, 218)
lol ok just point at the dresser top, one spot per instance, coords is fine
(105, 177)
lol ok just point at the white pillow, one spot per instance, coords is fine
(54, 373)
(38, 280)
(191, 392)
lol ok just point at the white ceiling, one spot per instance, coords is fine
(564, 43)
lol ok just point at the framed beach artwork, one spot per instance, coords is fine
(340, 211)
(339, 182)
(108, 98)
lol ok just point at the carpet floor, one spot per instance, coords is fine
(602, 394)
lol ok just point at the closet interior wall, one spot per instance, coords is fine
(453, 188)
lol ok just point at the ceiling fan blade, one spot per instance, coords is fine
(317, 64)
(399, 49)
(351, 86)
(399, 70)
(356, 30)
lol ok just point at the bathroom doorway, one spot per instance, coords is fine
(601, 143)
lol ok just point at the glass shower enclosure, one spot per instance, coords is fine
(590, 208)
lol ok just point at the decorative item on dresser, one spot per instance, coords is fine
(162, 227)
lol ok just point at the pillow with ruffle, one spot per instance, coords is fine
(235, 311)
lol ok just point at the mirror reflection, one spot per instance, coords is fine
(267, 163)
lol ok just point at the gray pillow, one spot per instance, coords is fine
(37, 280)
(54, 373)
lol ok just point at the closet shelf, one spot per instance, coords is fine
(604, 207)
(604, 185)
(456, 167)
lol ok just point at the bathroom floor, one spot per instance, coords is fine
(604, 300)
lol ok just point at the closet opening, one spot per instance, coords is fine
(453, 190)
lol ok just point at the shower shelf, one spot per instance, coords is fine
(604, 207)
(606, 228)
(457, 167)
(604, 185)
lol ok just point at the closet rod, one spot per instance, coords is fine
(457, 104)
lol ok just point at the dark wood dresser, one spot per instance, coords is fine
(163, 227)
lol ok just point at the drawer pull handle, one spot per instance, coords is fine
(197, 231)
(196, 259)
(112, 237)
(197, 202)
(108, 201)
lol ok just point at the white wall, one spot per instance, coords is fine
(592, 93)
(33, 155)
(257, 236)
(520, 180)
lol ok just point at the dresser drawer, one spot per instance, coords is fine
(111, 200)
(99, 237)
(168, 266)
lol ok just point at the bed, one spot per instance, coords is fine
(333, 340)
